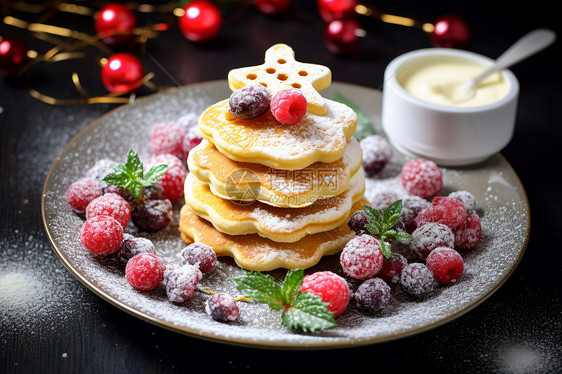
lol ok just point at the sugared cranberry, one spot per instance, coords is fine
(101, 168)
(446, 264)
(288, 106)
(249, 102)
(361, 258)
(101, 235)
(382, 200)
(172, 181)
(200, 255)
(152, 215)
(392, 268)
(445, 210)
(111, 205)
(430, 236)
(372, 295)
(357, 221)
(145, 271)
(222, 308)
(330, 287)
(123, 192)
(132, 246)
(411, 206)
(153, 192)
(180, 282)
(422, 178)
(376, 153)
(167, 138)
(466, 198)
(468, 234)
(81, 192)
(417, 280)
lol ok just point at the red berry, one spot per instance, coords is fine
(357, 221)
(115, 23)
(422, 178)
(172, 181)
(376, 153)
(411, 206)
(372, 295)
(222, 308)
(336, 9)
(111, 205)
(167, 138)
(446, 264)
(392, 268)
(80, 193)
(201, 21)
(249, 102)
(200, 255)
(132, 246)
(13, 55)
(466, 198)
(343, 36)
(272, 6)
(152, 215)
(145, 271)
(450, 31)
(180, 282)
(191, 140)
(446, 210)
(467, 235)
(429, 236)
(417, 280)
(361, 258)
(288, 106)
(330, 287)
(382, 200)
(122, 72)
(101, 235)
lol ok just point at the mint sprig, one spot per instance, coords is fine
(380, 223)
(302, 310)
(131, 175)
(364, 126)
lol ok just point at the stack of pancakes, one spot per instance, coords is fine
(272, 195)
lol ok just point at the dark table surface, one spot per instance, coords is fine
(517, 330)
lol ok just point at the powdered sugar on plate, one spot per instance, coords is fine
(500, 202)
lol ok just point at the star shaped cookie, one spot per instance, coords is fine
(281, 71)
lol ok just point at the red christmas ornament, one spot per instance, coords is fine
(201, 21)
(343, 36)
(272, 6)
(450, 31)
(123, 72)
(336, 9)
(13, 55)
(118, 19)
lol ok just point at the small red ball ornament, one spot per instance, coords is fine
(336, 9)
(123, 72)
(201, 21)
(272, 6)
(13, 55)
(450, 31)
(117, 21)
(343, 36)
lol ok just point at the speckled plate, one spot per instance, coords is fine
(501, 204)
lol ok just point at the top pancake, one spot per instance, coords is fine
(265, 141)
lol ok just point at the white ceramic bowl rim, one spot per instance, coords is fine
(399, 61)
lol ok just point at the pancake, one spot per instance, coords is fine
(252, 252)
(246, 181)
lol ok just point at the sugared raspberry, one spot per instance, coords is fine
(172, 181)
(357, 221)
(167, 138)
(249, 102)
(288, 106)
(181, 281)
(200, 255)
(382, 200)
(111, 205)
(468, 234)
(188, 121)
(145, 271)
(372, 295)
(466, 198)
(361, 258)
(132, 246)
(152, 215)
(101, 235)
(222, 308)
(429, 236)
(411, 206)
(81, 192)
(417, 280)
(376, 153)
(446, 264)
(191, 140)
(445, 210)
(330, 287)
(392, 268)
(422, 178)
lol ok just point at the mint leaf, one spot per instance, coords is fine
(381, 223)
(261, 288)
(308, 313)
(364, 126)
(291, 284)
(386, 249)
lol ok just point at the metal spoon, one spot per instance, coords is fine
(528, 45)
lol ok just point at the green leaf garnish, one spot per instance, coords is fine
(131, 175)
(381, 223)
(302, 310)
(364, 126)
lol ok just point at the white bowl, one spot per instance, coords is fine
(447, 135)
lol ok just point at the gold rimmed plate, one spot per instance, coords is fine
(501, 203)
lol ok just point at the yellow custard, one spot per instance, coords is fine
(432, 81)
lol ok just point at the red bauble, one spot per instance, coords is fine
(123, 72)
(343, 36)
(118, 19)
(451, 31)
(336, 9)
(201, 21)
(272, 6)
(13, 55)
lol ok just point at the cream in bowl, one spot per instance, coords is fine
(424, 115)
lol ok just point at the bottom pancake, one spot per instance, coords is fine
(252, 252)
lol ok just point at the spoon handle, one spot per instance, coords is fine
(528, 45)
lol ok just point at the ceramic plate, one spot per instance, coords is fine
(501, 204)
